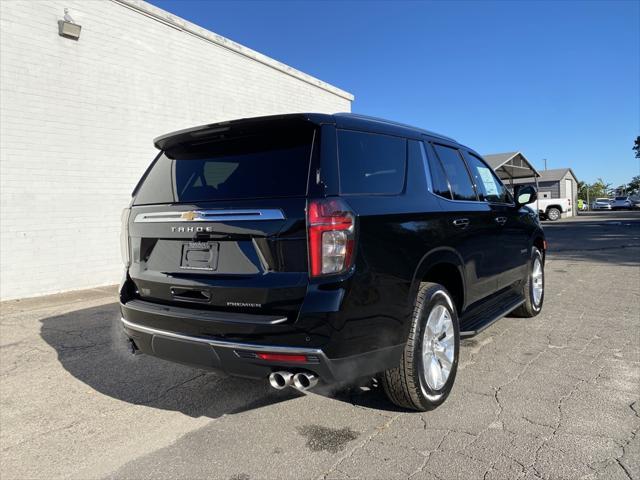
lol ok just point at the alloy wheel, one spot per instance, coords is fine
(438, 347)
(537, 282)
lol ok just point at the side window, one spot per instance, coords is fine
(490, 188)
(371, 163)
(457, 173)
(438, 178)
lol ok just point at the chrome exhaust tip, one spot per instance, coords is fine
(280, 380)
(304, 381)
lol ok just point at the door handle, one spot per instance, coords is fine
(461, 222)
(501, 220)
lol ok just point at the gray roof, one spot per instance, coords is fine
(496, 160)
(552, 175)
(511, 165)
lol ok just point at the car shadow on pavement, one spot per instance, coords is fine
(92, 347)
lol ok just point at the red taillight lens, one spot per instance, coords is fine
(282, 357)
(331, 234)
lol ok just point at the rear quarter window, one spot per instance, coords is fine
(371, 163)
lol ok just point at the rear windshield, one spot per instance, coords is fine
(621, 198)
(268, 164)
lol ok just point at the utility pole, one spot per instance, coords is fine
(545, 163)
(588, 204)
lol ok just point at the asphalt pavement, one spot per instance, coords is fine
(556, 396)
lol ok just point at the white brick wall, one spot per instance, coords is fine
(77, 121)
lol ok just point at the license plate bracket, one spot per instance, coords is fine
(200, 256)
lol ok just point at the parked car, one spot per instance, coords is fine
(553, 208)
(621, 203)
(601, 204)
(635, 202)
(312, 248)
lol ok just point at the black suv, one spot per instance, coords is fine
(310, 248)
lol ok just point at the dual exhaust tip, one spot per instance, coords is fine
(301, 381)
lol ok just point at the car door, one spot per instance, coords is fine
(511, 250)
(470, 227)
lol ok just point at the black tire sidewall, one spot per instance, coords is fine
(437, 295)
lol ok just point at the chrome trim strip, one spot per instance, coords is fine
(210, 216)
(222, 343)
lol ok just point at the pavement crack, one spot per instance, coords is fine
(428, 454)
(537, 424)
(362, 445)
(624, 453)
(171, 388)
(561, 401)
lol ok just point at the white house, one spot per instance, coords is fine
(515, 169)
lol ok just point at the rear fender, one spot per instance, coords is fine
(442, 255)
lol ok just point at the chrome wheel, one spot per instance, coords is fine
(438, 347)
(537, 282)
(553, 214)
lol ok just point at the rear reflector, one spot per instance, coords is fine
(282, 357)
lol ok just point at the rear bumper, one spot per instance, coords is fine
(241, 359)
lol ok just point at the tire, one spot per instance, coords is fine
(553, 214)
(532, 305)
(407, 385)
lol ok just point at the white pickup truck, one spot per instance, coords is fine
(552, 208)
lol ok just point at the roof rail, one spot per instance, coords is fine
(397, 124)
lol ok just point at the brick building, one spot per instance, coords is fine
(77, 119)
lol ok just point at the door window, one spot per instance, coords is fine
(439, 181)
(490, 188)
(457, 173)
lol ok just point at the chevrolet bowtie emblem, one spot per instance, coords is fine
(189, 216)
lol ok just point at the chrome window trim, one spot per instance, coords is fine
(211, 216)
(221, 343)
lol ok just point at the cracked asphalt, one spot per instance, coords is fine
(556, 396)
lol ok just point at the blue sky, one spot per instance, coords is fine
(558, 80)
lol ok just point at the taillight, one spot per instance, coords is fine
(124, 237)
(331, 235)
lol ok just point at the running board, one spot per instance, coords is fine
(480, 318)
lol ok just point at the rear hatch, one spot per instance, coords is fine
(218, 221)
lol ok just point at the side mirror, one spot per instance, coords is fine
(526, 195)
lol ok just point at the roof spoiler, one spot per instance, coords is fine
(222, 129)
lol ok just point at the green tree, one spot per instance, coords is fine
(634, 185)
(636, 146)
(582, 190)
(599, 189)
